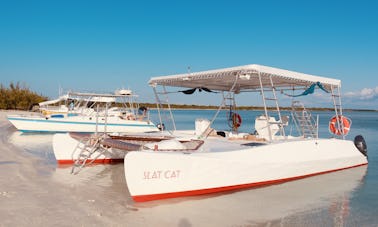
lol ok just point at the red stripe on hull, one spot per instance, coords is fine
(145, 198)
(97, 161)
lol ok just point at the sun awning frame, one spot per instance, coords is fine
(247, 79)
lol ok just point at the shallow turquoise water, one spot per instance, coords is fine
(362, 200)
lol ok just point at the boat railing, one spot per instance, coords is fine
(305, 123)
(84, 151)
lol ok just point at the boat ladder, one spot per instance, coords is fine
(85, 149)
(272, 109)
(230, 104)
(164, 109)
(303, 120)
(336, 97)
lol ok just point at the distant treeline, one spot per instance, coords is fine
(188, 106)
(18, 97)
(261, 108)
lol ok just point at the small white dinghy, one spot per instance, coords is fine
(211, 161)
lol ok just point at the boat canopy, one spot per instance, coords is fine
(51, 102)
(243, 78)
(96, 97)
(91, 97)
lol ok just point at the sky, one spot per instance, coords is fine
(101, 46)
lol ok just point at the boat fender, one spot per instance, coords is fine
(360, 143)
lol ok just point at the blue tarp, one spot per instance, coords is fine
(310, 90)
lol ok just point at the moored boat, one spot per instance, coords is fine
(87, 112)
(208, 160)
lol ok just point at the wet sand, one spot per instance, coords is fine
(35, 192)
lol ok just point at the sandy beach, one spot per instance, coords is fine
(33, 192)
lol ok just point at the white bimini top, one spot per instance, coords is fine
(244, 78)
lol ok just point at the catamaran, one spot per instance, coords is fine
(212, 162)
(87, 112)
(175, 163)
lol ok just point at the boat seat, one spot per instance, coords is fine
(262, 127)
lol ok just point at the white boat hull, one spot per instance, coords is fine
(159, 175)
(79, 124)
(65, 153)
(67, 146)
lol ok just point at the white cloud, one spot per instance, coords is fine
(364, 94)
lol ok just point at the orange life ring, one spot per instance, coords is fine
(236, 120)
(344, 123)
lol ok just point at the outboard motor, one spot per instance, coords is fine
(161, 127)
(360, 143)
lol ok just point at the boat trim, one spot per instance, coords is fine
(73, 122)
(97, 161)
(145, 198)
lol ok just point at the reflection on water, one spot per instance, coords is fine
(30, 140)
(99, 175)
(7, 162)
(38, 144)
(321, 199)
(271, 204)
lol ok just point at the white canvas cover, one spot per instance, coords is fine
(247, 77)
